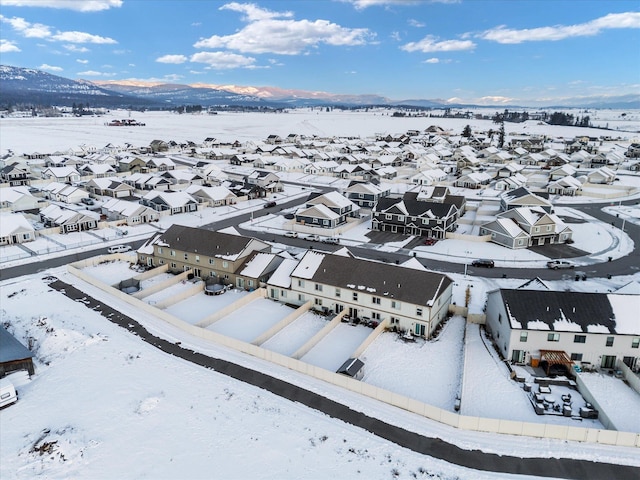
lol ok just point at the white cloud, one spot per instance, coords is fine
(502, 34)
(275, 32)
(26, 29)
(38, 30)
(362, 4)
(76, 49)
(82, 37)
(431, 44)
(78, 5)
(6, 46)
(52, 68)
(223, 60)
(175, 59)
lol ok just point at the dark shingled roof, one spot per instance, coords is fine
(205, 242)
(392, 281)
(583, 309)
(11, 349)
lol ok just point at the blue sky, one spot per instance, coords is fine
(479, 51)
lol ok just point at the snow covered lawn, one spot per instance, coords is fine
(197, 307)
(12, 252)
(111, 272)
(170, 291)
(617, 399)
(296, 334)
(428, 371)
(339, 344)
(248, 322)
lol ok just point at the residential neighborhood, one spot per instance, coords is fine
(363, 234)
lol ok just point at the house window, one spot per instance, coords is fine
(579, 339)
(355, 296)
(318, 287)
(609, 342)
(337, 292)
(635, 343)
(419, 312)
(576, 357)
(173, 253)
(524, 336)
(553, 337)
(301, 283)
(375, 300)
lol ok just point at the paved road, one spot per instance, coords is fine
(433, 447)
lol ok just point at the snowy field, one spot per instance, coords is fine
(428, 371)
(250, 321)
(337, 347)
(288, 340)
(47, 135)
(195, 308)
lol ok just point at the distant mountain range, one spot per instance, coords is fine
(30, 86)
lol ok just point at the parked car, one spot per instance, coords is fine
(270, 204)
(291, 234)
(483, 262)
(331, 240)
(118, 248)
(556, 264)
(313, 238)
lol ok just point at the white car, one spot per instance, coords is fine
(291, 234)
(556, 264)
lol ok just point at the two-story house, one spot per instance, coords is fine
(206, 253)
(407, 299)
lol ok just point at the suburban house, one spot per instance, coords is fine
(61, 174)
(407, 299)
(15, 228)
(365, 194)
(410, 216)
(522, 197)
(14, 175)
(131, 212)
(212, 196)
(326, 211)
(110, 187)
(69, 220)
(524, 227)
(594, 329)
(18, 199)
(173, 202)
(204, 252)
